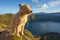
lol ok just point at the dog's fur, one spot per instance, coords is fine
(20, 19)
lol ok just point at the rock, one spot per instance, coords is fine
(50, 36)
(4, 35)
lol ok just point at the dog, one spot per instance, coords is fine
(20, 19)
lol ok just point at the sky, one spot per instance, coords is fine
(47, 6)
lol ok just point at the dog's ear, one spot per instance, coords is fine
(21, 5)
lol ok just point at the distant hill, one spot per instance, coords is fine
(55, 17)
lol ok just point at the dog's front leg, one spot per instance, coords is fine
(18, 30)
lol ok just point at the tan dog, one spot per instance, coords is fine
(20, 19)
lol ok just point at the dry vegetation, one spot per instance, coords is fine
(4, 24)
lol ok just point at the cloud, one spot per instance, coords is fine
(50, 4)
(53, 3)
(35, 1)
(44, 6)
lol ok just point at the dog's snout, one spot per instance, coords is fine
(30, 11)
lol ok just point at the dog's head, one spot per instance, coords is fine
(26, 9)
